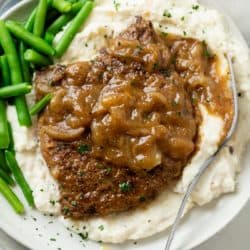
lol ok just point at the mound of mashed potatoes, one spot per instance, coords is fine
(181, 17)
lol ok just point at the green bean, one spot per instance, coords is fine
(62, 6)
(30, 22)
(4, 134)
(17, 173)
(50, 3)
(39, 22)
(15, 90)
(72, 1)
(52, 14)
(6, 177)
(76, 7)
(5, 70)
(3, 164)
(39, 106)
(73, 28)
(15, 73)
(21, 107)
(11, 197)
(49, 37)
(59, 23)
(24, 64)
(34, 41)
(33, 57)
(62, 20)
(12, 144)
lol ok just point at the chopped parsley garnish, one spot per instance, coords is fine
(156, 66)
(125, 187)
(164, 33)
(195, 7)
(142, 198)
(138, 49)
(167, 14)
(74, 203)
(52, 202)
(108, 170)
(207, 54)
(194, 100)
(65, 210)
(182, 18)
(101, 227)
(166, 72)
(117, 5)
(184, 33)
(208, 99)
(84, 148)
(99, 165)
(84, 236)
(52, 239)
(81, 173)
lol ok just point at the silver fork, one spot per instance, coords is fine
(207, 163)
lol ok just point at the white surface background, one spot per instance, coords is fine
(237, 234)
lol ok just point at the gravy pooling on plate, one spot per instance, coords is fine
(120, 128)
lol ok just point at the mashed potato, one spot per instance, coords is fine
(186, 17)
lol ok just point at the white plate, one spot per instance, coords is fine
(38, 232)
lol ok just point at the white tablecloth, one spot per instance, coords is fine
(236, 236)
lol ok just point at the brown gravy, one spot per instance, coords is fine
(121, 127)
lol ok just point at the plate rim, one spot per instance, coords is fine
(26, 243)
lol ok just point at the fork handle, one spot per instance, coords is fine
(190, 189)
